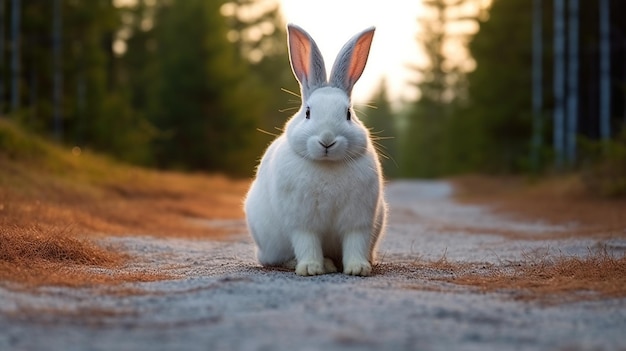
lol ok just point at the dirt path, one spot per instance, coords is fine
(224, 301)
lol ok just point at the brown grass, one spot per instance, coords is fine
(36, 244)
(33, 256)
(557, 200)
(136, 202)
(563, 278)
(561, 200)
(53, 210)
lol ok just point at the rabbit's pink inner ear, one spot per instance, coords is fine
(300, 51)
(359, 56)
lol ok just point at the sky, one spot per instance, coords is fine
(332, 22)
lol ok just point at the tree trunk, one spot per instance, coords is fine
(15, 55)
(537, 92)
(2, 77)
(605, 71)
(559, 81)
(58, 70)
(572, 86)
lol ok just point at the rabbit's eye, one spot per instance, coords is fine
(308, 113)
(348, 115)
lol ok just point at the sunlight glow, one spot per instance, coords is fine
(395, 48)
(331, 23)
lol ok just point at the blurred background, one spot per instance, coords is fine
(452, 86)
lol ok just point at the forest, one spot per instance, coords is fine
(189, 84)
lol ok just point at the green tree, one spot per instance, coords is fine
(428, 147)
(201, 98)
(94, 111)
(381, 121)
(137, 58)
(499, 111)
(259, 33)
(99, 112)
(160, 97)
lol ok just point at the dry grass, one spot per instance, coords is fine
(55, 204)
(33, 256)
(140, 202)
(47, 237)
(538, 277)
(31, 244)
(558, 200)
(562, 278)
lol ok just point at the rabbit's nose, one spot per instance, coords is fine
(327, 146)
(326, 139)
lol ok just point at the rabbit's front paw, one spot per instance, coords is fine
(310, 268)
(362, 268)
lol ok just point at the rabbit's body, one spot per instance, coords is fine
(317, 199)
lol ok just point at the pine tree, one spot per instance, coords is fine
(500, 109)
(261, 41)
(199, 100)
(426, 147)
(381, 121)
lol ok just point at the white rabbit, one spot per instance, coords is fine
(317, 200)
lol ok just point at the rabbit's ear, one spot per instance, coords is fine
(351, 61)
(306, 60)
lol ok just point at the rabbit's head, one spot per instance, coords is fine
(326, 127)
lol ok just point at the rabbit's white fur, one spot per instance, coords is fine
(317, 200)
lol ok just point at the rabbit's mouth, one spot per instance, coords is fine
(327, 149)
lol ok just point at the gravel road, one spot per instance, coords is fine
(225, 301)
